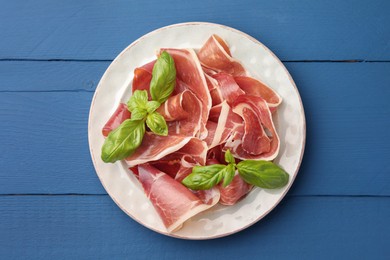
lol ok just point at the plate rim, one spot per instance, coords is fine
(301, 108)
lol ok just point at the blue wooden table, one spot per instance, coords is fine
(52, 55)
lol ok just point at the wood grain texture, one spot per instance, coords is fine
(47, 227)
(294, 30)
(50, 76)
(346, 105)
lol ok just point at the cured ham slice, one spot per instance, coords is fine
(243, 145)
(187, 163)
(189, 71)
(193, 153)
(215, 92)
(215, 55)
(227, 87)
(120, 115)
(236, 190)
(215, 155)
(183, 113)
(222, 123)
(255, 87)
(142, 77)
(173, 202)
(154, 147)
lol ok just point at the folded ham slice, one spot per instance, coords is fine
(236, 190)
(173, 202)
(222, 123)
(183, 112)
(193, 153)
(215, 55)
(252, 86)
(245, 143)
(142, 77)
(189, 71)
(120, 115)
(227, 87)
(154, 147)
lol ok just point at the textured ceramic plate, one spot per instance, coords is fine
(115, 87)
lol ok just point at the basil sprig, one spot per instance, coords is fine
(263, 174)
(124, 140)
(163, 78)
(142, 109)
(206, 177)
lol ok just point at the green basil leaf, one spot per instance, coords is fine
(204, 177)
(138, 113)
(151, 106)
(123, 141)
(263, 174)
(229, 157)
(163, 78)
(228, 175)
(157, 124)
(138, 100)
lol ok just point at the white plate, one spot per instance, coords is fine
(115, 87)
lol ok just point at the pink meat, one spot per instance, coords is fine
(183, 113)
(222, 123)
(194, 152)
(255, 140)
(173, 202)
(120, 115)
(155, 147)
(215, 92)
(227, 87)
(236, 190)
(215, 155)
(215, 55)
(189, 71)
(243, 145)
(142, 77)
(255, 87)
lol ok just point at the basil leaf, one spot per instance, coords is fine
(163, 78)
(157, 124)
(204, 177)
(138, 100)
(151, 106)
(229, 157)
(228, 175)
(138, 113)
(123, 141)
(263, 174)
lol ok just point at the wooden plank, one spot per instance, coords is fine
(48, 227)
(50, 76)
(45, 143)
(44, 134)
(347, 116)
(303, 30)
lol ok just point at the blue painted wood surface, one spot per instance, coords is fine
(294, 30)
(52, 55)
(90, 227)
